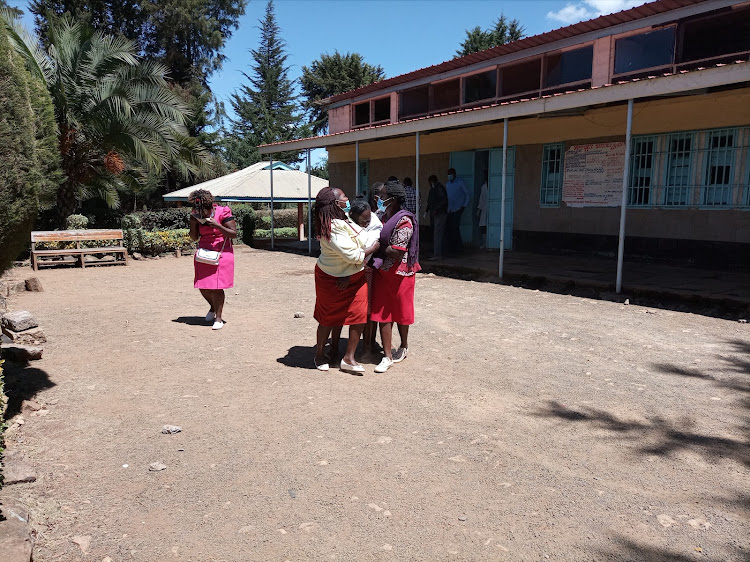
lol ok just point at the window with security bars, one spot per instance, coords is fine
(642, 160)
(552, 175)
(678, 181)
(719, 168)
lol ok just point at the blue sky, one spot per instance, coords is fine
(399, 35)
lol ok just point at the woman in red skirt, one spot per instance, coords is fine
(340, 287)
(396, 265)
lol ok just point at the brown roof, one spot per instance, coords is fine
(499, 103)
(602, 22)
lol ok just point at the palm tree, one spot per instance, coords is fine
(117, 117)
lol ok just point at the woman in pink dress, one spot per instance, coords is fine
(214, 228)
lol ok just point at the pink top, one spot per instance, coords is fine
(210, 237)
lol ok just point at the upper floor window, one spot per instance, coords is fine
(520, 78)
(414, 102)
(646, 50)
(567, 67)
(481, 86)
(372, 111)
(725, 33)
(445, 95)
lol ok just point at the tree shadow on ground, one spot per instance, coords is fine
(662, 437)
(22, 382)
(630, 551)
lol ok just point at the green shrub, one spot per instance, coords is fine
(77, 222)
(130, 221)
(281, 218)
(245, 218)
(284, 232)
(153, 243)
(165, 219)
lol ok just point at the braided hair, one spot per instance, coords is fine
(201, 200)
(325, 210)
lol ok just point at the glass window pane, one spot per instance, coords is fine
(678, 185)
(414, 102)
(480, 86)
(569, 66)
(445, 95)
(520, 78)
(717, 188)
(641, 171)
(718, 35)
(382, 109)
(646, 50)
(552, 175)
(362, 113)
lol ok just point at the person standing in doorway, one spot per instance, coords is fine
(458, 199)
(437, 209)
(482, 206)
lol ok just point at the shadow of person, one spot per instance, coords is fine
(192, 320)
(299, 356)
(22, 382)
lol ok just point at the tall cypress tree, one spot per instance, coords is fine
(266, 108)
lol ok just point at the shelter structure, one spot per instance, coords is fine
(263, 182)
(631, 130)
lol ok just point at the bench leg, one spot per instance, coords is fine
(83, 261)
(34, 265)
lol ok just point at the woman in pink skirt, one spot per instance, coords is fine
(214, 228)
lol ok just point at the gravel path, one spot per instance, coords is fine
(524, 425)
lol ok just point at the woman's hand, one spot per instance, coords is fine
(372, 249)
(342, 283)
(211, 221)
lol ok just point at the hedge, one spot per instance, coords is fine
(282, 218)
(153, 243)
(284, 232)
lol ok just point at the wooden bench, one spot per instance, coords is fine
(76, 236)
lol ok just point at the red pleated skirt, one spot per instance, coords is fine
(392, 297)
(334, 307)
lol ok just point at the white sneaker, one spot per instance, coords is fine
(218, 325)
(211, 316)
(384, 365)
(399, 354)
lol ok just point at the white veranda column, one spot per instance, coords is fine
(624, 203)
(502, 198)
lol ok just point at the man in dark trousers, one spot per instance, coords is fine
(458, 199)
(437, 209)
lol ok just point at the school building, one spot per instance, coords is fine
(650, 106)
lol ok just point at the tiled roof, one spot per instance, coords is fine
(504, 103)
(602, 22)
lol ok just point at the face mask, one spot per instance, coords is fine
(347, 207)
(451, 177)
(381, 205)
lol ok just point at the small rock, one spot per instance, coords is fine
(32, 336)
(137, 256)
(156, 466)
(22, 353)
(30, 406)
(108, 258)
(178, 253)
(15, 540)
(171, 429)
(462, 517)
(299, 314)
(83, 542)
(700, 524)
(627, 301)
(742, 320)
(19, 320)
(53, 401)
(107, 559)
(16, 470)
(34, 285)
(666, 521)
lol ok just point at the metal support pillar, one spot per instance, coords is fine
(272, 235)
(502, 198)
(356, 165)
(309, 205)
(417, 177)
(624, 203)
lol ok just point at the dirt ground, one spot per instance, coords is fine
(523, 425)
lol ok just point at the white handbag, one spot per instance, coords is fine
(210, 257)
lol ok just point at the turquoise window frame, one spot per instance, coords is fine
(707, 162)
(555, 190)
(667, 198)
(637, 165)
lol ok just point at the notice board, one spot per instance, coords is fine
(593, 175)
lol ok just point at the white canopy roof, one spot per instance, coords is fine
(253, 184)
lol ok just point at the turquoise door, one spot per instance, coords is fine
(495, 197)
(463, 163)
(364, 176)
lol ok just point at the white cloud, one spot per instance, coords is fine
(588, 9)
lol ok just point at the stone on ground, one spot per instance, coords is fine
(15, 540)
(32, 336)
(21, 353)
(19, 320)
(17, 470)
(34, 285)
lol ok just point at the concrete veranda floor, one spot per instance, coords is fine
(568, 273)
